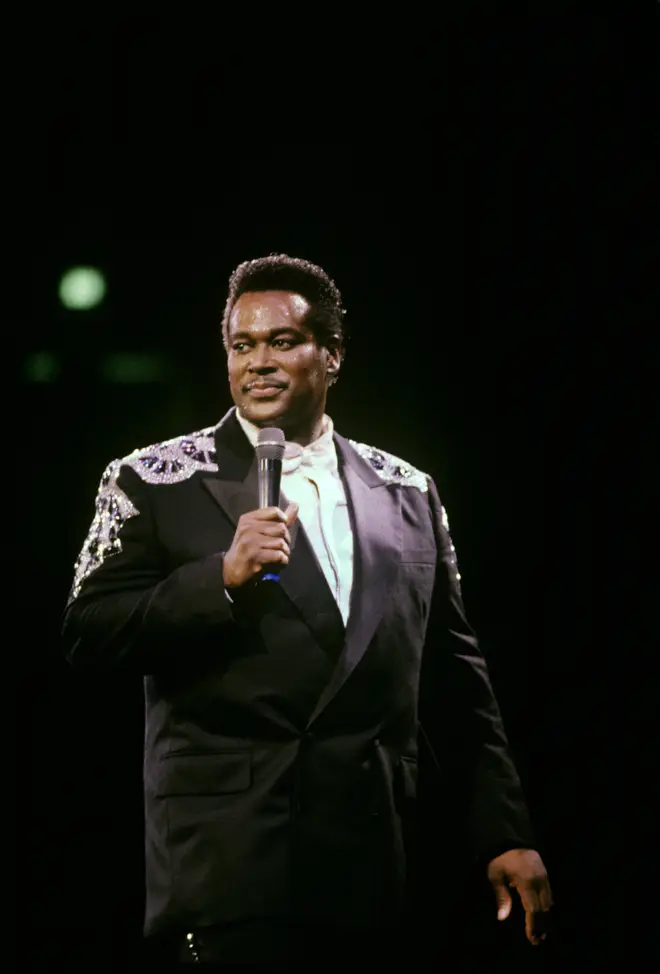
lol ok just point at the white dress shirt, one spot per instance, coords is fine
(310, 478)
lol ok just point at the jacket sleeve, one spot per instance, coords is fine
(126, 606)
(460, 711)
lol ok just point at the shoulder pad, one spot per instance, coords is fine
(169, 462)
(174, 460)
(391, 469)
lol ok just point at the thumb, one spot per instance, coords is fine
(291, 513)
(504, 901)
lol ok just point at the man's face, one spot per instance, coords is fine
(277, 371)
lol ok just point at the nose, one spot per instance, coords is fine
(260, 362)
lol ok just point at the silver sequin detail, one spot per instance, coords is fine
(395, 471)
(193, 952)
(390, 468)
(175, 460)
(454, 562)
(169, 462)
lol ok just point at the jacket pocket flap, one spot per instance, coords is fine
(419, 556)
(204, 774)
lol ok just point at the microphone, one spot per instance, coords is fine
(270, 451)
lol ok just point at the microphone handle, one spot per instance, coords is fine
(269, 479)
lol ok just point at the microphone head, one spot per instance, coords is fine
(270, 444)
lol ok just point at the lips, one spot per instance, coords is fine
(265, 390)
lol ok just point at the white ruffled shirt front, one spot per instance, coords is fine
(310, 478)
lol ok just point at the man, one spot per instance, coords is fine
(282, 717)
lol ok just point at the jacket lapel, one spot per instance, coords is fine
(234, 488)
(377, 532)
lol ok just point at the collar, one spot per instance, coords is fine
(319, 453)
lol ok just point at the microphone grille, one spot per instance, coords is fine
(270, 444)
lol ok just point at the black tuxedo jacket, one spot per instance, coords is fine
(281, 746)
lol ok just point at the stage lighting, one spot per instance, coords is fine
(82, 288)
(42, 367)
(133, 367)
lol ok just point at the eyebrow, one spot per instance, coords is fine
(273, 333)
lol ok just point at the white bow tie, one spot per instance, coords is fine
(317, 457)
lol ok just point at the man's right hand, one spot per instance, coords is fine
(262, 538)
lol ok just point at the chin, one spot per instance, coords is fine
(262, 412)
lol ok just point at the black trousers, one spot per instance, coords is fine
(271, 945)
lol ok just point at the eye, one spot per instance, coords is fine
(283, 343)
(238, 346)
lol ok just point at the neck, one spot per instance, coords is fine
(302, 432)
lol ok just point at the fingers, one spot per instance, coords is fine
(270, 521)
(523, 870)
(537, 925)
(275, 544)
(536, 899)
(262, 538)
(263, 529)
(269, 529)
(535, 894)
(545, 894)
(504, 902)
(267, 514)
(270, 556)
(291, 513)
(275, 514)
(256, 552)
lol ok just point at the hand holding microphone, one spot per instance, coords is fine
(262, 539)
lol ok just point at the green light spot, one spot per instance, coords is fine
(82, 288)
(133, 367)
(42, 367)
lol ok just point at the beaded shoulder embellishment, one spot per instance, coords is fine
(395, 471)
(169, 462)
(390, 468)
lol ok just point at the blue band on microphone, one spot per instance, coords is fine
(270, 577)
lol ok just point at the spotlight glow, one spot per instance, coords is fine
(42, 367)
(82, 288)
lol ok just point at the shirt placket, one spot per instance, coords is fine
(329, 510)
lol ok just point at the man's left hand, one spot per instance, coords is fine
(523, 869)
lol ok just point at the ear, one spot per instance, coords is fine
(334, 363)
(334, 357)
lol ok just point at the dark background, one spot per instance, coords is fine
(490, 260)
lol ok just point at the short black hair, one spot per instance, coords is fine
(279, 272)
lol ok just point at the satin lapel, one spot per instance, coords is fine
(377, 532)
(235, 497)
(302, 579)
(304, 582)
